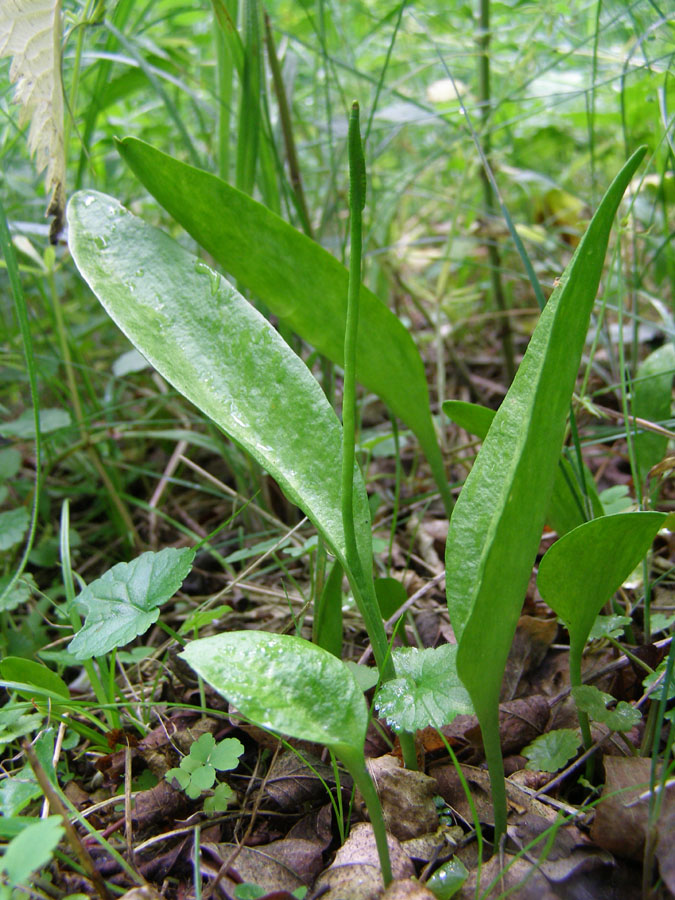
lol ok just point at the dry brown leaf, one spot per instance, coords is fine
(407, 798)
(407, 890)
(355, 872)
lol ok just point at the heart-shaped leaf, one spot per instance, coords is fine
(286, 684)
(227, 359)
(298, 280)
(582, 570)
(426, 690)
(125, 601)
(553, 750)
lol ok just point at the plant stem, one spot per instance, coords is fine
(364, 783)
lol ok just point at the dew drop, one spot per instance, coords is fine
(88, 200)
(100, 242)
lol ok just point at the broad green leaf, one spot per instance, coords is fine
(565, 508)
(594, 703)
(652, 400)
(286, 684)
(426, 690)
(552, 751)
(298, 281)
(10, 463)
(31, 849)
(16, 668)
(13, 525)
(497, 523)
(125, 601)
(226, 358)
(583, 569)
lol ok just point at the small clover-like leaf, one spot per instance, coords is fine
(550, 752)
(608, 626)
(202, 747)
(225, 755)
(427, 690)
(222, 795)
(178, 778)
(202, 779)
(123, 602)
(594, 702)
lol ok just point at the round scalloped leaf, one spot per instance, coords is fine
(552, 751)
(426, 691)
(594, 703)
(285, 684)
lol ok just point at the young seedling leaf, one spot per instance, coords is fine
(13, 525)
(286, 684)
(552, 751)
(652, 400)
(608, 626)
(222, 796)
(125, 601)
(496, 525)
(298, 281)
(582, 570)
(594, 703)
(31, 849)
(225, 755)
(227, 359)
(448, 879)
(426, 691)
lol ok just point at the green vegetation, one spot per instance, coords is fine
(286, 337)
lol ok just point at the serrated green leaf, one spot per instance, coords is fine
(608, 626)
(31, 849)
(16, 723)
(13, 526)
(288, 271)
(20, 593)
(552, 751)
(654, 677)
(286, 684)
(426, 691)
(225, 755)
(125, 601)
(594, 703)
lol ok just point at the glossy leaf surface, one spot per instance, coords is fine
(426, 690)
(582, 570)
(227, 359)
(298, 281)
(286, 684)
(124, 602)
(498, 520)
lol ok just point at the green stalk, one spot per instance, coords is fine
(27, 340)
(490, 209)
(364, 783)
(373, 620)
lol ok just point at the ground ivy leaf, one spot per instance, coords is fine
(608, 626)
(426, 691)
(550, 752)
(123, 602)
(225, 755)
(594, 702)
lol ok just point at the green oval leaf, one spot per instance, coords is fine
(18, 669)
(552, 751)
(582, 570)
(285, 684)
(123, 602)
(227, 359)
(298, 280)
